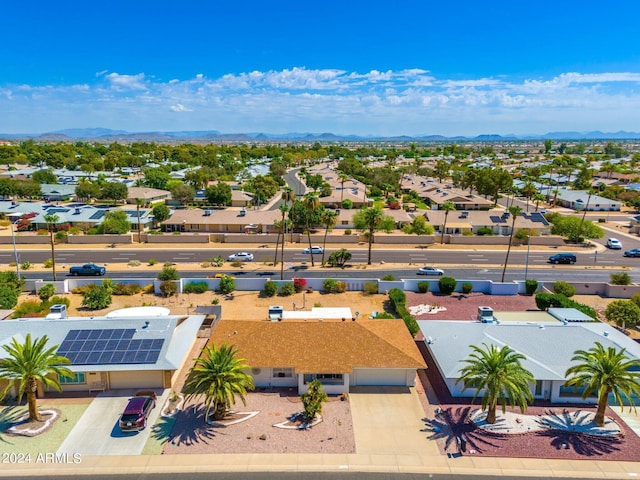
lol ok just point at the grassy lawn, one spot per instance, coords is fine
(160, 432)
(48, 442)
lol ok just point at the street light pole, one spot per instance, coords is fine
(15, 250)
(526, 263)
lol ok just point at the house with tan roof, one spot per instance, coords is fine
(147, 195)
(500, 222)
(218, 220)
(340, 353)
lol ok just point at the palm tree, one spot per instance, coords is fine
(537, 197)
(584, 213)
(29, 364)
(370, 220)
(529, 190)
(329, 219)
(605, 371)
(52, 220)
(514, 211)
(220, 376)
(139, 203)
(343, 178)
(288, 195)
(280, 225)
(311, 203)
(447, 206)
(500, 375)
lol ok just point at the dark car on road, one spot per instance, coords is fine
(562, 258)
(634, 252)
(135, 415)
(87, 269)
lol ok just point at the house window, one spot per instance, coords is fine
(538, 388)
(570, 392)
(325, 378)
(77, 379)
(282, 373)
(344, 222)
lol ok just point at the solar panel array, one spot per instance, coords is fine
(97, 215)
(109, 346)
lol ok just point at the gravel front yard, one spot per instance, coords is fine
(334, 434)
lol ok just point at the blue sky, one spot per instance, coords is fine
(346, 67)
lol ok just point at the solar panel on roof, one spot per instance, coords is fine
(109, 346)
(97, 215)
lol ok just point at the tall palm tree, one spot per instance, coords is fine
(500, 375)
(221, 377)
(537, 197)
(605, 371)
(288, 195)
(329, 220)
(280, 225)
(139, 203)
(447, 206)
(369, 221)
(343, 178)
(529, 190)
(311, 203)
(29, 364)
(52, 220)
(514, 211)
(584, 213)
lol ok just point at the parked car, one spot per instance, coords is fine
(87, 269)
(562, 258)
(135, 414)
(241, 256)
(430, 271)
(313, 250)
(634, 252)
(614, 244)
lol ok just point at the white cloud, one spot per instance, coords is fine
(411, 101)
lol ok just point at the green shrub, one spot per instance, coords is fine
(623, 313)
(370, 288)
(25, 265)
(28, 309)
(340, 287)
(152, 261)
(127, 289)
(484, 231)
(237, 263)
(530, 286)
(447, 285)
(195, 287)
(270, 289)
(168, 273)
(347, 231)
(621, 278)
(227, 284)
(602, 220)
(287, 289)
(97, 297)
(8, 297)
(423, 287)
(48, 263)
(385, 316)
(467, 287)
(150, 289)
(81, 290)
(388, 278)
(329, 285)
(397, 297)
(46, 292)
(635, 298)
(564, 288)
(546, 300)
(168, 288)
(57, 300)
(134, 263)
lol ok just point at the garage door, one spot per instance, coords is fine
(148, 379)
(382, 377)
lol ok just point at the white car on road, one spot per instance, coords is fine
(430, 271)
(313, 250)
(240, 256)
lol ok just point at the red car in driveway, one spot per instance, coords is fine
(134, 417)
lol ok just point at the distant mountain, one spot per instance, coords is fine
(210, 136)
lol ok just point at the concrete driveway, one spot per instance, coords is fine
(388, 421)
(97, 432)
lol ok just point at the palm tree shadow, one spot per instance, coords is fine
(452, 424)
(161, 430)
(189, 428)
(587, 441)
(8, 418)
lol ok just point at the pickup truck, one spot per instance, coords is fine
(87, 269)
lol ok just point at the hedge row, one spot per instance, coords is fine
(399, 301)
(547, 300)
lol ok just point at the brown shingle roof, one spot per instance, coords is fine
(326, 347)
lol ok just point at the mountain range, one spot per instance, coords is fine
(210, 136)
